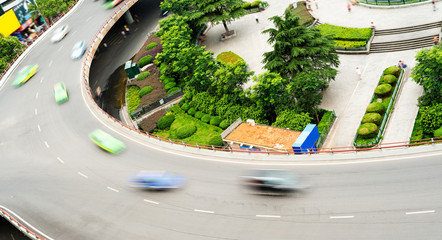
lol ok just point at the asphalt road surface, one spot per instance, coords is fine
(56, 179)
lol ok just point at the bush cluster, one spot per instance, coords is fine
(393, 70)
(372, 118)
(376, 107)
(172, 90)
(390, 79)
(185, 131)
(346, 33)
(145, 91)
(170, 85)
(367, 130)
(143, 75)
(224, 124)
(350, 44)
(206, 118)
(145, 60)
(199, 114)
(132, 98)
(431, 118)
(229, 57)
(215, 121)
(216, 141)
(383, 90)
(165, 121)
(151, 45)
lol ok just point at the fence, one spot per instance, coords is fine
(324, 131)
(20, 226)
(390, 2)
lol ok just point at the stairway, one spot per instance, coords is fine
(406, 44)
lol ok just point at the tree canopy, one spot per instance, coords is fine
(9, 47)
(50, 8)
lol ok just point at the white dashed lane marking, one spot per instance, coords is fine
(39, 129)
(113, 189)
(59, 159)
(268, 216)
(60, 48)
(47, 145)
(81, 174)
(203, 211)
(340, 217)
(89, 18)
(36, 95)
(420, 212)
(50, 63)
(41, 80)
(35, 111)
(149, 201)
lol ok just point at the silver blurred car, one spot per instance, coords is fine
(60, 33)
(270, 181)
(78, 50)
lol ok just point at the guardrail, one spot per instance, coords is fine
(118, 12)
(390, 2)
(20, 226)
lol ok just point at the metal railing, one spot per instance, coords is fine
(28, 232)
(390, 2)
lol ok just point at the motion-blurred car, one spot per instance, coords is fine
(78, 50)
(60, 93)
(112, 4)
(25, 74)
(60, 33)
(106, 141)
(270, 181)
(157, 180)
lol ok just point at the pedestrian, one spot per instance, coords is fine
(136, 18)
(316, 4)
(372, 26)
(308, 5)
(358, 71)
(434, 5)
(349, 7)
(126, 28)
(123, 33)
(400, 64)
(435, 40)
(256, 18)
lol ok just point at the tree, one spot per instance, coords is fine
(292, 120)
(297, 48)
(229, 78)
(50, 8)
(216, 11)
(180, 7)
(9, 48)
(428, 73)
(205, 66)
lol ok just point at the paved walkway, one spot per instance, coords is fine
(346, 95)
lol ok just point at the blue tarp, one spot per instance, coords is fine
(306, 141)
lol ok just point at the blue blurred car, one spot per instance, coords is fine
(78, 50)
(157, 180)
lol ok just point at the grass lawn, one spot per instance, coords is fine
(202, 135)
(305, 18)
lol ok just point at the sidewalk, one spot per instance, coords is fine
(346, 95)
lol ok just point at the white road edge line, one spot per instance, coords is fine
(268, 216)
(203, 211)
(420, 212)
(36, 95)
(59, 159)
(35, 111)
(339, 217)
(113, 189)
(47, 145)
(149, 201)
(38, 126)
(81, 174)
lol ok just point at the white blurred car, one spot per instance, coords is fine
(78, 50)
(60, 33)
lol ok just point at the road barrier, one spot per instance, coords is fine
(21, 226)
(106, 26)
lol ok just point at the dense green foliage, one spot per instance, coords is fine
(9, 48)
(216, 140)
(305, 18)
(431, 118)
(345, 33)
(143, 75)
(390, 79)
(376, 107)
(292, 120)
(206, 118)
(50, 8)
(151, 45)
(199, 114)
(393, 70)
(350, 44)
(185, 107)
(428, 74)
(145, 91)
(170, 85)
(173, 90)
(133, 98)
(185, 131)
(145, 60)
(165, 121)
(372, 118)
(216, 120)
(383, 90)
(367, 130)
(224, 124)
(229, 57)
(438, 132)
(191, 111)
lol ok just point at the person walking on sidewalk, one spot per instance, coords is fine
(435, 40)
(349, 7)
(434, 5)
(358, 71)
(256, 18)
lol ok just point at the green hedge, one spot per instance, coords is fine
(367, 130)
(345, 33)
(224, 124)
(393, 70)
(145, 91)
(191, 111)
(431, 118)
(170, 85)
(166, 121)
(216, 140)
(376, 107)
(215, 121)
(145, 60)
(438, 132)
(246, 5)
(206, 118)
(383, 90)
(390, 79)
(151, 45)
(199, 114)
(372, 118)
(132, 98)
(229, 57)
(143, 75)
(350, 44)
(172, 90)
(185, 107)
(186, 131)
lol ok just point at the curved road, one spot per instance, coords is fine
(60, 182)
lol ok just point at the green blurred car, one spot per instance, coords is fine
(106, 141)
(25, 74)
(60, 93)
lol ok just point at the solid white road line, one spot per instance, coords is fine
(41, 80)
(60, 48)
(35, 111)
(420, 212)
(36, 95)
(268, 216)
(59, 159)
(149, 201)
(113, 189)
(47, 145)
(38, 126)
(50, 63)
(81, 174)
(203, 211)
(338, 217)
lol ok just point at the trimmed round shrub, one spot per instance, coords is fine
(199, 114)
(390, 79)
(383, 90)
(143, 75)
(215, 121)
(255, 4)
(393, 70)
(372, 118)
(216, 141)
(367, 130)
(172, 90)
(165, 121)
(186, 131)
(145, 60)
(246, 5)
(145, 90)
(224, 124)
(206, 118)
(185, 107)
(438, 132)
(170, 85)
(151, 45)
(376, 107)
(191, 111)
(167, 80)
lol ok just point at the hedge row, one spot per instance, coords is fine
(350, 44)
(143, 75)
(229, 57)
(205, 118)
(345, 33)
(145, 60)
(145, 91)
(133, 98)
(249, 5)
(151, 45)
